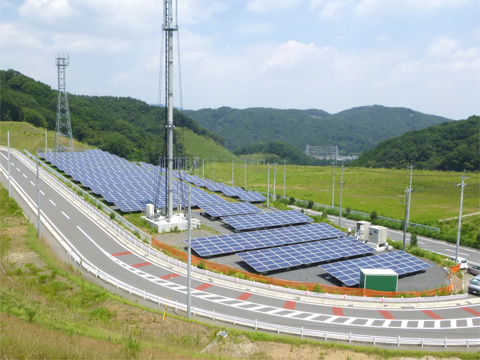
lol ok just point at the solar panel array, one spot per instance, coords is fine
(266, 220)
(304, 254)
(128, 185)
(402, 263)
(231, 243)
(230, 209)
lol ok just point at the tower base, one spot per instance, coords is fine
(178, 222)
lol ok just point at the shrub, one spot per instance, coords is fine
(413, 240)
(201, 265)
(373, 215)
(291, 201)
(310, 204)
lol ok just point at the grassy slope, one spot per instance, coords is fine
(196, 145)
(26, 136)
(47, 310)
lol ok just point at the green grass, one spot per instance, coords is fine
(435, 197)
(199, 146)
(26, 136)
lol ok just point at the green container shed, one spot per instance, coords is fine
(378, 279)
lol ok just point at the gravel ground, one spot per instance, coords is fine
(433, 277)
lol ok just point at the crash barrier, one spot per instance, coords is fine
(252, 323)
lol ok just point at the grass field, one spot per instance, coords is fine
(436, 195)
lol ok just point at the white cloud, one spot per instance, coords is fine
(255, 28)
(264, 6)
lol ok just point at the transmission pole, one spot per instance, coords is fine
(341, 193)
(333, 183)
(169, 27)
(268, 185)
(63, 130)
(284, 175)
(462, 185)
(274, 180)
(408, 198)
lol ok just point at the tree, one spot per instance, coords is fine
(373, 215)
(413, 240)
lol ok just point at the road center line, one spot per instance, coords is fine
(52, 202)
(68, 217)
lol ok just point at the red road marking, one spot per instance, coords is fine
(337, 311)
(432, 314)
(290, 305)
(386, 314)
(169, 276)
(203, 287)
(245, 296)
(122, 253)
(470, 310)
(142, 264)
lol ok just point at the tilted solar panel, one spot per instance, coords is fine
(304, 254)
(266, 220)
(402, 263)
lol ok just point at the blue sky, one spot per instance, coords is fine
(325, 54)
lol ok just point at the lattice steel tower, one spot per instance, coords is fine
(63, 130)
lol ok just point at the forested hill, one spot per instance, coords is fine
(123, 126)
(451, 146)
(354, 131)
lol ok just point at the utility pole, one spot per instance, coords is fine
(284, 175)
(341, 193)
(39, 221)
(462, 185)
(213, 170)
(268, 185)
(233, 171)
(46, 140)
(274, 180)
(333, 183)
(189, 271)
(408, 197)
(9, 176)
(245, 174)
(203, 169)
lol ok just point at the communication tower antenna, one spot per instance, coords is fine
(169, 27)
(63, 130)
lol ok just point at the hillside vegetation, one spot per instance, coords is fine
(451, 146)
(354, 131)
(123, 126)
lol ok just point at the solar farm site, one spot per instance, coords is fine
(284, 244)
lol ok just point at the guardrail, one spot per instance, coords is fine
(253, 323)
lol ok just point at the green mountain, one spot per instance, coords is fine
(123, 126)
(354, 131)
(451, 146)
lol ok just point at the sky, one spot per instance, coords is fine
(331, 55)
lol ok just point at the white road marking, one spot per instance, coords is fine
(469, 322)
(293, 313)
(31, 182)
(331, 318)
(404, 324)
(52, 202)
(66, 215)
(369, 322)
(18, 169)
(436, 324)
(421, 324)
(349, 321)
(41, 192)
(258, 307)
(274, 311)
(386, 323)
(25, 176)
(453, 323)
(311, 317)
(455, 251)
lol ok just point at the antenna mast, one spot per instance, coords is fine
(63, 130)
(169, 27)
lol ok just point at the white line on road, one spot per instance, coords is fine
(455, 251)
(31, 182)
(18, 170)
(68, 217)
(41, 192)
(52, 202)
(25, 176)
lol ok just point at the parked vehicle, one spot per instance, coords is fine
(463, 262)
(474, 286)
(474, 269)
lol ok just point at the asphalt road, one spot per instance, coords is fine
(93, 241)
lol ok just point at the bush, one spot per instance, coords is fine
(413, 240)
(310, 204)
(291, 201)
(201, 265)
(373, 215)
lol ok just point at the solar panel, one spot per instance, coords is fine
(304, 254)
(231, 243)
(128, 185)
(266, 220)
(229, 209)
(402, 263)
